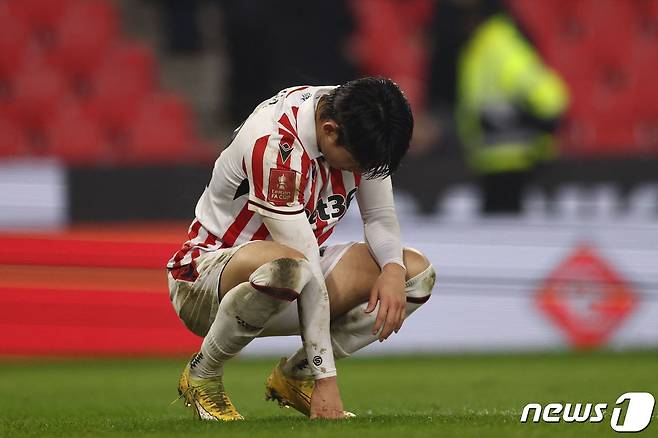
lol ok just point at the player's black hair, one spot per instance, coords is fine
(374, 123)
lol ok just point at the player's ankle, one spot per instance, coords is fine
(205, 374)
(201, 369)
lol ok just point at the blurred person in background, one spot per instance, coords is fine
(270, 45)
(274, 45)
(180, 21)
(509, 103)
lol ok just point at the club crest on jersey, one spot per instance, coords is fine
(285, 149)
(281, 189)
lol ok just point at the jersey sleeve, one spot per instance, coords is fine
(380, 222)
(277, 170)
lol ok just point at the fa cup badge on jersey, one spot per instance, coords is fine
(282, 182)
(281, 190)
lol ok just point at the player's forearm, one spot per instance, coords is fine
(382, 235)
(314, 311)
(380, 223)
(314, 319)
(313, 303)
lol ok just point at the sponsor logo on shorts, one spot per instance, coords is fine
(317, 361)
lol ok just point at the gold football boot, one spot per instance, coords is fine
(291, 392)
(207, 397)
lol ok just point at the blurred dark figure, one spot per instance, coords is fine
(508, 103)
(276, 44)
(182, 26)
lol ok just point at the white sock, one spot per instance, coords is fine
(245, 309)
(353, 330)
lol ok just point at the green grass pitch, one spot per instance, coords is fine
(434, 396)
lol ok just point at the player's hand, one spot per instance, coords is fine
(389, 291)
(325, 400)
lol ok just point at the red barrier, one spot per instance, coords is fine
(26, 250)
(89, 291)
(90, 323)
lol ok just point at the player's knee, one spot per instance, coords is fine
(415, 262)
(282, 278)
(421, 277)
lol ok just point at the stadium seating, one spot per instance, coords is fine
(72, 86)
(123, 81)
(14, 40)
(606, 52)
(71, 53)
(162, 130)
(76, 137)
(40, 14)
(84, 36)
(390, 26)
(13, 141)
(37, 90)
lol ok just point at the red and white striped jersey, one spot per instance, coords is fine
(273, 168)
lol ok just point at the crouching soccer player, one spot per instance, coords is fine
(253, 265)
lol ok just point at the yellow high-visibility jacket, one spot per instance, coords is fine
(503, 83)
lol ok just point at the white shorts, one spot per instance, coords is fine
(196, 302)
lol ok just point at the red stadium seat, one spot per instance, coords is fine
(162, 131)
(138, 59)
(14, 41)
(615, 133)
(572, 20)
(574, 62)
(643, 47)
(606, 128)
(600, 135)
(124, 80)
(167, 106)
(40, 14)
(76, 138)
(540, 19)
(52, 49)
(606, 52)
(649, 14)
(85, 33)
(606, 104)
(38, 89)
(644, 83)
(13, 140)
(613, 26)
(645, 99)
